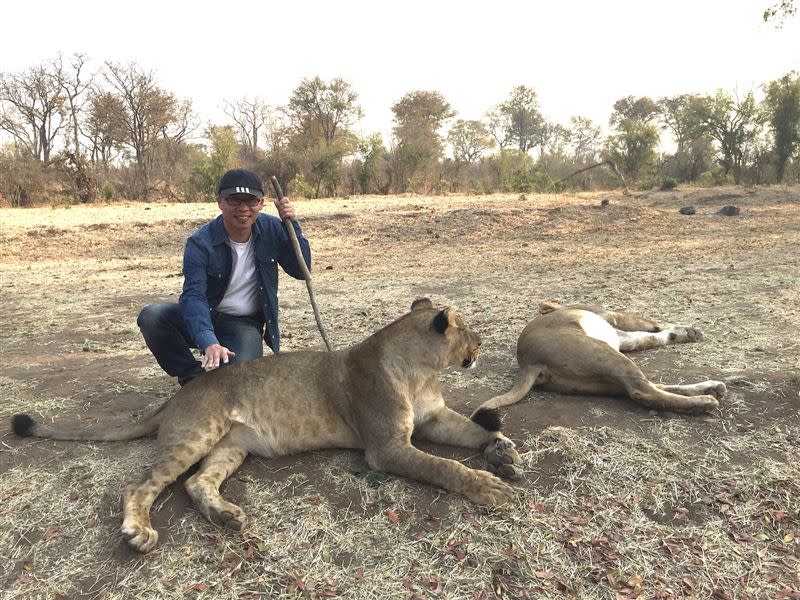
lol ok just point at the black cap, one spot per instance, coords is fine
(240, 181)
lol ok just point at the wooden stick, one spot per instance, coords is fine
(299, 254)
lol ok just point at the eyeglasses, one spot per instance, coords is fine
(237, 201)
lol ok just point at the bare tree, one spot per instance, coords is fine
(779, 12)
(33, 110)
(500, 127)
(253, 120)
(144, 111)
(73, 83)
(101, 127)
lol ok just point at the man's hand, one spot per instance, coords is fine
(286, 209)
(215, 355)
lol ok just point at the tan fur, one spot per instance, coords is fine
(373, 396)
(577, 349)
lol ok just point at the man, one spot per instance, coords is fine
(230, 288)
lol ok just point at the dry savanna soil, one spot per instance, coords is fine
(617, 501)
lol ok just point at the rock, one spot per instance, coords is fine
(728, 211)
(604, 202)
(687, 210)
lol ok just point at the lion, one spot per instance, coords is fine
(578, 350)
(371, 396)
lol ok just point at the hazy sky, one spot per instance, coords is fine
(579, 56)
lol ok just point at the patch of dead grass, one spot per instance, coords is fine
(645, 506)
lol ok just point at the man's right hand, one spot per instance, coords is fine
(214, 356)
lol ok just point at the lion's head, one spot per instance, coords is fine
(457, 342)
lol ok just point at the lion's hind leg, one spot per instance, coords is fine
(139, 497)
(203, 486)
(630, 341)
(710, 387)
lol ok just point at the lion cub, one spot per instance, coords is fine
(578, 350)
(372, 396)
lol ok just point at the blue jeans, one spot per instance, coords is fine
(165, 333)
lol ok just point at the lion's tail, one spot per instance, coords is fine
(25, 426)
(526, 377)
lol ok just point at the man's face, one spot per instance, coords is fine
(237, 216)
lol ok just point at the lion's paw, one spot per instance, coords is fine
(229, 515)
(488, 490)
(696, 405)
(140, 537)
(503, 459)
(678, 335)
(717, 389)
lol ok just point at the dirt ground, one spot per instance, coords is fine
(618, 501)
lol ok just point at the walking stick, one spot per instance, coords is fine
(301, 261)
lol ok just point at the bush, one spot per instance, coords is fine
(24, 181)
(300, 187)
(442, 187)
(108, 192)
(705, 179)
(668, 183)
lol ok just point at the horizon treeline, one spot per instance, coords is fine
(72, 134)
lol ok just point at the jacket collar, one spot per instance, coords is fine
(220, 236)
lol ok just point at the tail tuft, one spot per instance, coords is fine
(488, 418)
(22, 425)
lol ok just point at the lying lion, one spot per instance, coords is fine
(373, 396)
(578, 350)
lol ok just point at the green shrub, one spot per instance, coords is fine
(108, 192)
(705, 179)
(668, 183)
(300, 187)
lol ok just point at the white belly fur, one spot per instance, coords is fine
(599, 329)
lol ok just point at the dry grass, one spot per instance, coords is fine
(618, 502)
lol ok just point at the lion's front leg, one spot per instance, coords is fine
(445, 426)
(403, 459)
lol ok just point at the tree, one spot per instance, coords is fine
(641, 109)
(499, 127)
(782, 104)
(779, 12)
(320, 117)
(733, 124)
(633, 148)
(520, 118)
(252, 118)
(469, 140)
(369, 162)
(418, 117)
(692, 144)
(585, 139)
(146, 113)
(73, 84)
(218, 158)
(101, 128)
(33, 110)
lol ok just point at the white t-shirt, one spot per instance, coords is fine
(241, 298)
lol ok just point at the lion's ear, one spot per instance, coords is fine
(421, 303)
(441, 321)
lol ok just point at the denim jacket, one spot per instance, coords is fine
(207, 265)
